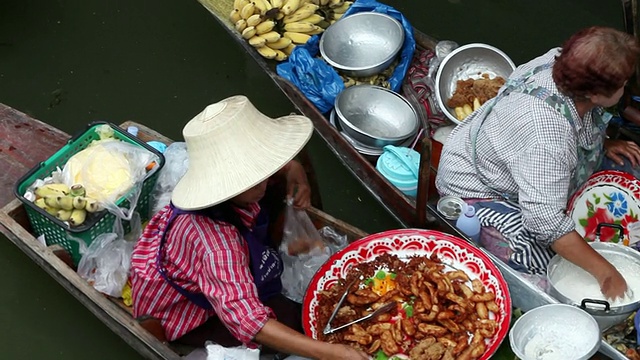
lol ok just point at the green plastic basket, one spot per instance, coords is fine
(56, 231)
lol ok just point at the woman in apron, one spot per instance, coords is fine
(522, 154)
(204, 265)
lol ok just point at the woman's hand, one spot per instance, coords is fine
(612, 284)
(616, 149)
(297, 185)
(343, 352)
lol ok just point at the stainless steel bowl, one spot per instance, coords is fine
(375, 116)
(468, 62)
(606, 314)
(362, 44)
(555, 331)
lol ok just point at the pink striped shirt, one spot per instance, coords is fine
(200, 255)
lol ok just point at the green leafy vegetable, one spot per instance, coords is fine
(380, 275)
(408, 309)
(380, 355)
(392, 276)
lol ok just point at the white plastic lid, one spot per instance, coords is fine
(469, 211)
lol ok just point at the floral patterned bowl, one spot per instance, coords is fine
(404, 243)
(608, 197)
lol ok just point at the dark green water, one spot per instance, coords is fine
(68, 63)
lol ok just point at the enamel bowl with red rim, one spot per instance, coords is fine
(405, 243)
(607, 197)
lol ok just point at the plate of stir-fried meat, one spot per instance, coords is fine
(449, 300)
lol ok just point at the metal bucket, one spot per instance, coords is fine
(603, 311)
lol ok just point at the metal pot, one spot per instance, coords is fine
(605, 314)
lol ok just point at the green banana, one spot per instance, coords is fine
(79, 202)
(51, 201)
(92, 205)
(77, 190)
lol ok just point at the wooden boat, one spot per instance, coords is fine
(408, 211)
(419, 212)
(19, 152)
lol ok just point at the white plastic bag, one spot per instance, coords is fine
(303, 250)
(217, 352)
(106, 263)
(176, 163)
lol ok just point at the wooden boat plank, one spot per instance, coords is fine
(109, 313)
(24, 142)
(14, 224)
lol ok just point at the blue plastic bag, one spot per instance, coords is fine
(320, 82)
(317, 80)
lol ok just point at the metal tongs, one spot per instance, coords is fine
(383, 309)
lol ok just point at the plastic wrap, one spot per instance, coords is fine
(176, 163)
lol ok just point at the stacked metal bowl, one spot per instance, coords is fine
(371, 117)
(362, 44)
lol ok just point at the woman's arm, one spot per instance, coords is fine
(297, 184)
(575, 249)
(278, 336)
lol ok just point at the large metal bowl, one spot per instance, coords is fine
(555, 331)
(362, 44)
(375, 116)
(468, 62)
(562, 272)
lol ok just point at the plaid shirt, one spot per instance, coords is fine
(524, 148)
(200, 255)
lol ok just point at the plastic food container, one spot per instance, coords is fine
(400, 166)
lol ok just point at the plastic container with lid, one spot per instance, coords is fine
(400, 166)
(469, 223)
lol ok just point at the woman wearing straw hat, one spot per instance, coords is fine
(203, 265)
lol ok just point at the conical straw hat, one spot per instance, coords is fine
(232, 147)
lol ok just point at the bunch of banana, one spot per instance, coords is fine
(66, 204)
(331, 10)
(380, 79)
(275, 27)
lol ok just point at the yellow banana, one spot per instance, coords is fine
(254, 20)
(280, 56)
(337, 16)
(313, 19)
(92, 205)
(290, 6)
(247, 10)
(263, 6)
(316, 30)
(280, 44)
(239, 4)
(289, 49)
(234, 16)
(296, 37)
(249, 32)
(51, 201)
(63, 214)
(342, 8)
(257, 41)
(279, 15)
(267, 52)
(317, 2)
(79, 202)
(241, 25)
(52, 189)
(265, 27)
(40, 203)
(277, 3)
(335, 3)
(303, 11)
(300, 27)
(271, 36)
(324, 2)
(77, 217)
(65, 202)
